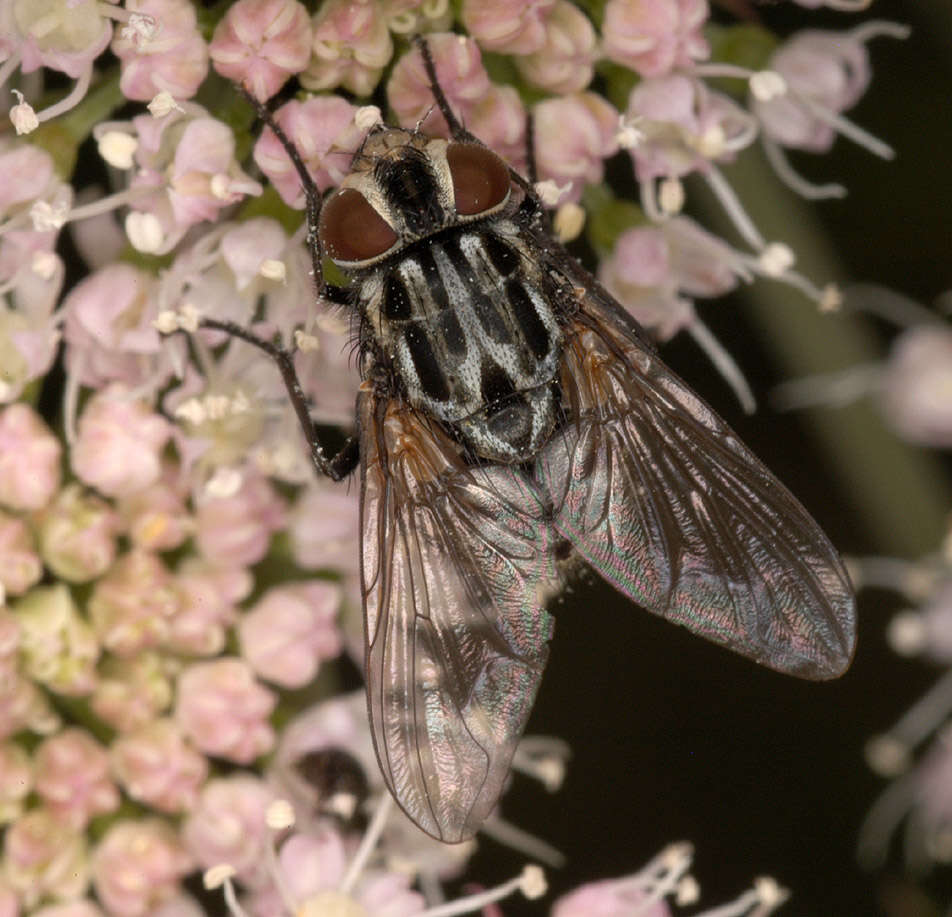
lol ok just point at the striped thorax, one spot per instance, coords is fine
(428, 230)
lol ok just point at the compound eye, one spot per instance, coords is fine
(480, 178)
(351, 230)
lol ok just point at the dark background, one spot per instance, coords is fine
(674, 739)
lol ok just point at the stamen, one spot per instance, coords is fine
(776, 259)
(629, 135)
(792, 179)
(118, 149)
(883, 819)
(847, 128)
(764, 897)
(509, 835)
(688, 892)
(367, 116)
(531, 882)
(549, 192)
(732, 205)
(273, 269)
(671, 196)
(306, 343)
(22, 116)
(569, 221)
(367, 843)
(72, 98)
(924, 717)
(279, 815)
(220, 877)
(8, 67)
(766, 85)
(144, 232)
(724, 363)
(224, 483)
(835, 389)
(162, 104)
(906, 633)
(877, 28)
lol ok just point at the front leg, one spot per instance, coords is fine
(338, 466)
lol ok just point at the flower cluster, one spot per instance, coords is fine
(173, 581)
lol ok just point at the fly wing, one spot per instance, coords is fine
(661, 498)
(457, 566)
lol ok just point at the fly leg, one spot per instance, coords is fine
(339, 465)
(345, 460)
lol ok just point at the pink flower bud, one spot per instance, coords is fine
(322, 129)
(29, 459)
(119, 442)
(291, 630)
(77, 535)
(685, 125)
(499, 120)
(156, 518)
(575, 157)
(654, 37)
(566, 62)
(174, 59)
(16, 781)
(20, 565)
(228, 826)
(157, 767)
(244, 248)
(351, 47)
(57, 646)
(236, 531)
(830, 70)
(62, 36)
(508, 27)
(638, 274)
(261, 44)
(459, 70)
(207, 598)
(72, 777)
(108, 330)
(22, 705)
(137, 866)
(224, 710)
(205, 155)
(338, 724)
(44, 857)
(132, 692)
(131, 605)
(324, 528)
(28, 173)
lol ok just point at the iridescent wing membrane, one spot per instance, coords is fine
(656, 492)
(457, 568)
(646, 483)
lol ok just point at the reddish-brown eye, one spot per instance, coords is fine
(480, 178)
(351, 230)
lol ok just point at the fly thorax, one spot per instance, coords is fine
(472, 335)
